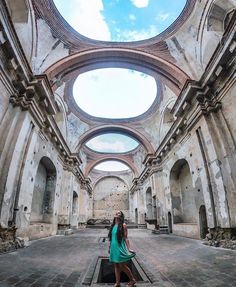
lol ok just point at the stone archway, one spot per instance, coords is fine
(183, 203)
(184, 209)
(42, 207)
(149, 211)
(43, 194)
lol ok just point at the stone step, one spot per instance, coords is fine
(163, 229)
(142, 226)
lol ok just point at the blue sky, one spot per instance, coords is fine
(112, 143)
(117, 93)
(114, 92)
(120, 20)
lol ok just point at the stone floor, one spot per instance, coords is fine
(168, 260)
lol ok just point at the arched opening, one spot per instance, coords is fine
(126, 87)
(75, 203)
(44, 192)
(183, 203)
(60, 118)
(149, 203)
(220, 15)
(203, 221)
(136, 215)
(169, 222)
(184, 208)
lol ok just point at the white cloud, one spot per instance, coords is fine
(134, 35)
(140, 3)
(111, 166)
(86, 18)
(100, 145)
(162, 16)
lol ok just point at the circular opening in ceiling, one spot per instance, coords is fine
(111, 165)
(114, 93)
(112, 143)
(120, 21)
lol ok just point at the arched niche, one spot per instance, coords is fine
(220, 15)
(167, 119)
(75, 203)
(44, 192)
(182, 193)
(18, 10)
(149, 203)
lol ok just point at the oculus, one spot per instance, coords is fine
(112, 143)
(111, 165)
(119, 20)
(114, 93)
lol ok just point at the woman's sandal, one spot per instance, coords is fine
(131, 283)
(117, 285)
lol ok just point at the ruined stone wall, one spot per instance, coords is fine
(110, 195)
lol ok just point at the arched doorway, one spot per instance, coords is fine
(149, 203)
(184, 201)
(169, 222)
(44, 192)
(136, 215)
(203, 221)
(182, 193)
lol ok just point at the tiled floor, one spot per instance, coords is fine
(169, 260)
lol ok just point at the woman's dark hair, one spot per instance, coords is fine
(120, 231)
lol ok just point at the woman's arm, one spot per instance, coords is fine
(126, 237)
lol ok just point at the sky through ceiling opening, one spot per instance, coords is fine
(111, 165)
(120, 20)
(114, 93)
(112, 143)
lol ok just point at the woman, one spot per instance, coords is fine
(120, 251)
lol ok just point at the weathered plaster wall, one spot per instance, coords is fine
(202, 36)
(110, 194)
(38, 148)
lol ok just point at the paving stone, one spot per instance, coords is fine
(167, 259)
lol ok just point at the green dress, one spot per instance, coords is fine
(118, 251)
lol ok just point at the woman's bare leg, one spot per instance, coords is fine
(125, 268)
(117, 273)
